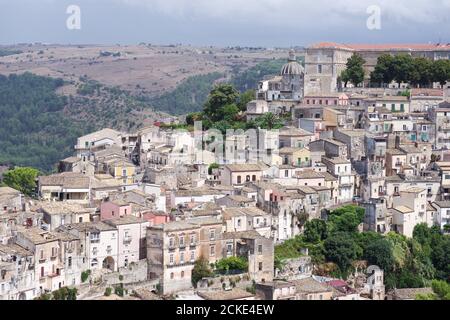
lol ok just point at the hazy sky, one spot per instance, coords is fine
(224, 22)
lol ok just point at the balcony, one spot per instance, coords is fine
(192, 245)
(181, 264)
(127, 240)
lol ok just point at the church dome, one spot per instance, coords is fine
(292, 67)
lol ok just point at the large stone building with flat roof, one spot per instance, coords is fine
(325, 61)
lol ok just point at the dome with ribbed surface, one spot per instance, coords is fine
(292, 67)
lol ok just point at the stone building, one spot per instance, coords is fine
(288, 86)
(325, 61)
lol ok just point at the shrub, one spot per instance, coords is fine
(232, 263)
(108, 291)
(119, 290)
(85, 275)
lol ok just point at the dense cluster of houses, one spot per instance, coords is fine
(160, 197)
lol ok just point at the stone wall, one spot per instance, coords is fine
(226, 282)
(134, 273)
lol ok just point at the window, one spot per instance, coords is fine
(260, 266)
(260, 249)
(239, 222)
(254, 178)
(192, 256)
(171, 242)
(212, 234)
(286, 173)
(212, 251)
(192, 239)
(319, 68)
(172, 275)
(247, 178)
(182, 257)
(69, 262)
(239, 179)
(181, 239)
(182, 274)
(42, 272)
(171, 261)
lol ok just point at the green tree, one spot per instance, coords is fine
(441, 291)
(213, 166)
(341, 249)
(245, 98)
(231, 263)
(422, 233)
(269, 121)
(191, 118)
(201, 270)
(440, 71)
(403, 68)
(355, 70)
(384, 70)
(22, 179)
(422, 72)
(379, 253)
(345, 78)
(315, 230)
(346, 219)
(221, 96)
(440, 255)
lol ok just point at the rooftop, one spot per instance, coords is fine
(176, 226)
(235, 294)
(70, 180)
(309, 285)
(245, 167)
(53, 208)
(382, 47)
(404, 209)
(124, 220)
(39, 236)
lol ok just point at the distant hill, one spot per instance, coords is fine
(40, 124)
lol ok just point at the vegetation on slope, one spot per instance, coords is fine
(248, 79)
(336, 245)
(39, 127)
(187, 97)
(34, 131)
(9, 52)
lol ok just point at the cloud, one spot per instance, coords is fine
(289, 12)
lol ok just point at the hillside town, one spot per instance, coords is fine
(170, 213)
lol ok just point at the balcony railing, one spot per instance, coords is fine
(127, 239)
(181, 264)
